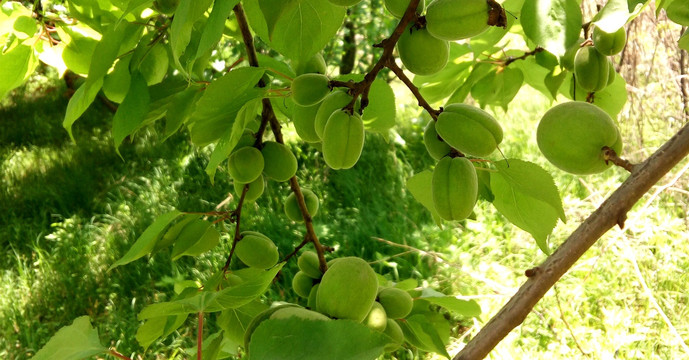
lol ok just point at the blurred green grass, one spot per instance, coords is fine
(71, 210)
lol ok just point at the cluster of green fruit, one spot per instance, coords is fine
(592, 68)
(465, 129)
(320, 118)
(347, 291)
(248, 164)
(572, 136)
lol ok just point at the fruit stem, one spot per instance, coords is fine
(268, 117)
(116, 354)
(611, 156)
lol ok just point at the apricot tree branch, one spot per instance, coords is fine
(392, 65)
(268, 116)
(613, 211)
(533, 52)
(236, 217)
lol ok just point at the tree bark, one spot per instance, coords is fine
(612, 212)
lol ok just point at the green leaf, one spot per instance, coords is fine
(554, 82)
(420, 186)
(221, 101)
(187, 13)
(205, 301)
(180, 110)
(130, 114)
(77, 341)
(477, 72)
(428, 332)
(498, 88)
(684, 41)
(104, 55)
(527, 196)
(145, 243)
(534, 74)
(379, 115)
(212, 32)
(612, 16)
(305, 26)
(16, 66)
(678, 11)
(301, 339)
(552, 24)
(156, 328)
(235, 321)
(229, 140)
(212, 345)
(611, 99)
(195, 238)
(468, 308)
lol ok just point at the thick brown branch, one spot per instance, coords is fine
(605, 217)
(268, 116)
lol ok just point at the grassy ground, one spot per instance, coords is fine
(72, 210)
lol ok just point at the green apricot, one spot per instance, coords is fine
(247, 139)
(436, 147)
(612, 74)
(166, 7)
(315, 64)
(304, 120)
(422, 53)
(343, 140)
(591, 69)
(246, 164)
(302, 284)
(310, 89)
(396, 335)
(280, 163)
(292, 206)
(609, 43)
(397, 302)
(571, 135)
(257, 251)
(309, 264)
(457, 19)
(311, 303)
(333, 102)
(469, 129)
(344, 2)
(454, 188)
(298, 312)
(376, 319)
(398, 7)
(255, 191)
(348, 289)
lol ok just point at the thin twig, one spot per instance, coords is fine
(199, 338)
(237, 217)
(564, 320)
(116, 354)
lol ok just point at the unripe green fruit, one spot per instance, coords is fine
(591, 69)
(394, 331)
(246, 164)
(304, 120)
(343, 140)
(298, 312)
(469, 129)
(422, 53)
(333, 102)
(398, 7)
(612, 74)
(344, 2)
(255, 191)
(308, 263)
(247, 139)
(315, 64)
(166, 7)
(302, 284)
(311, 303)
(280, 163)
(436, 147)
(376, 318)
(348, 289)
(572, 134)
(609, 43)
(454, 188)
(292, 206)
(257, 251)
(457, 19)
(397, 302)
(310, 89)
